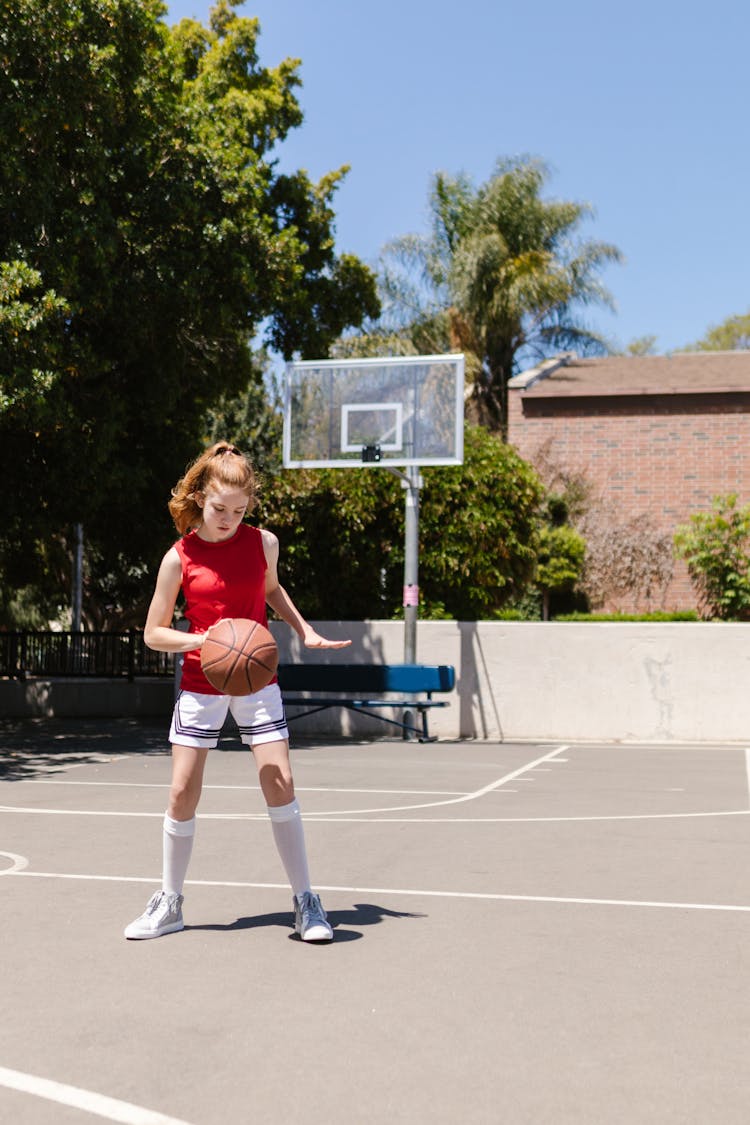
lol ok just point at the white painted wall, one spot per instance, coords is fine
(665, 683)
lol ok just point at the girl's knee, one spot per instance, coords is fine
(183, 799)
(187, 781)
(277, 784)
(274, 772)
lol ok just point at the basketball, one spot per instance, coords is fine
(239, 656)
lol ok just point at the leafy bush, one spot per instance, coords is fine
(560, 558)
(630, 560)
(716, 547)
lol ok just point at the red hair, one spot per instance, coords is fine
(223, 465)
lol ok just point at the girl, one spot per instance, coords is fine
(225, 568)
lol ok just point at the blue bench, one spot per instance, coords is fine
(357, 687)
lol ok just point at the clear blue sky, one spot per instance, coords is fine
(640, 109)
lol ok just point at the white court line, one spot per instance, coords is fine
(357, 816)
(478, 896)
(18, 862)
(248, 788)
(473, 796)
(97, 812)
(334, 813)
(111, 1108)
(325, 818)
(64, 764)
(747, 770)
(336, 818)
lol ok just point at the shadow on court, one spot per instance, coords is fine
(30, 748)
(342, 921)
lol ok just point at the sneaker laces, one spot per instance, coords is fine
(312, 909)
(154, 902)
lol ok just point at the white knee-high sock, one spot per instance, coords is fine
(286, 822)
(178, 845)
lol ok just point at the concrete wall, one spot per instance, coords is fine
(533, 680)
(516, 680)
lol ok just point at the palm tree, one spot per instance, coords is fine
(501, 277)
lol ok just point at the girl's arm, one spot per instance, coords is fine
(158, 632)
(282, 604)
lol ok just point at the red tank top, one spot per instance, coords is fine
(225, 579)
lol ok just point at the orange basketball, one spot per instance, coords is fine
(239, 656)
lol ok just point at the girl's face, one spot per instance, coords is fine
(223, 511)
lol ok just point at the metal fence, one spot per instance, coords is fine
(110, 655)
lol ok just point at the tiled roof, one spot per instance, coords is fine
(680, 373)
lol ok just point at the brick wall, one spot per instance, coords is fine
(665, 456)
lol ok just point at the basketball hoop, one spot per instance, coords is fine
(399, 413)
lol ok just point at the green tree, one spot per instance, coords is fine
(503, 276)
(339, 531)
(139, 185)
(733, 334)
(716, 547)
(478, 530)
(252, 418)
(31, 331)
(641, 345)
(342, 535)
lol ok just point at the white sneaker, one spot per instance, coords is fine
(310, 920)
(163, 915)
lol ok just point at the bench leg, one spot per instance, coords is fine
(411, 732)
(407, 729)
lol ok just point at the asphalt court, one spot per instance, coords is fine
(524, 933)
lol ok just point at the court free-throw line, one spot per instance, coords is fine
(479, 896)
(87, 1100)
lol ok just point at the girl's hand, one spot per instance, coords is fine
(215, 624)
(314, 640)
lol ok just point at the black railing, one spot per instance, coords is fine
(111, 655)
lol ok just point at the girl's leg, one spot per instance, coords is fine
(188, 764)
(257, 716)
(163, 914)
(277, 784)
(275, 773)
(197, 718)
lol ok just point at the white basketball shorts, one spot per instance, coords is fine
(197, 719)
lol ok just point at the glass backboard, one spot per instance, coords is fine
(406, 410)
